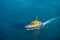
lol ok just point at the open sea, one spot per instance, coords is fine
(16, 14)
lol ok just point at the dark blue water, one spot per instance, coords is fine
(15, 14)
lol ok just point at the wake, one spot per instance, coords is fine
(50, 20)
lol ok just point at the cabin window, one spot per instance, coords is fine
(32, 24)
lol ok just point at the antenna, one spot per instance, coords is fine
(36, 17)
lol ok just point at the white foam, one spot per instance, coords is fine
(48, 21)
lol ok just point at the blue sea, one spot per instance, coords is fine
(16, 14)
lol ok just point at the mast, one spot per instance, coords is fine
(36, 17)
